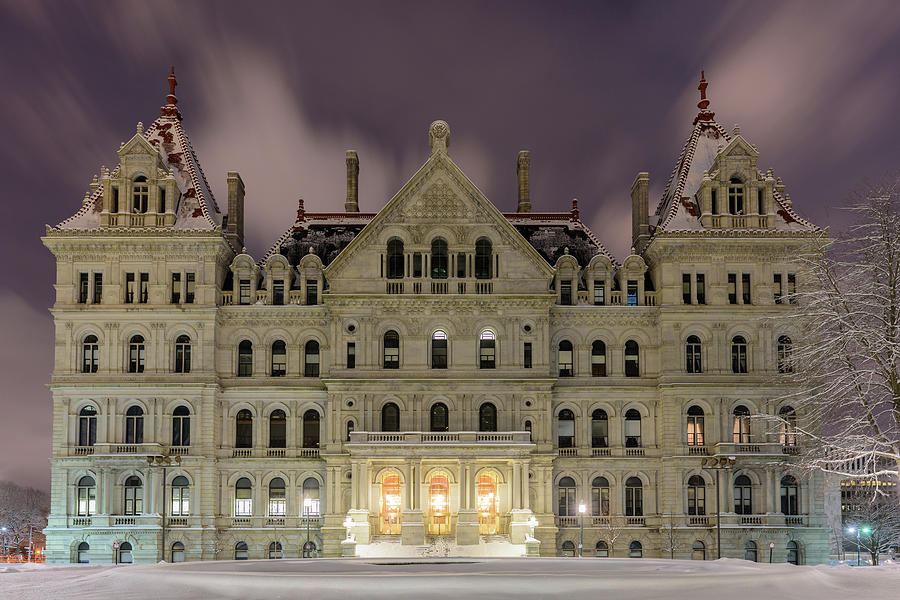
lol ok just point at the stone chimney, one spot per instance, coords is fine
(640, 212)
(234, 227)
(352, 203)
(523, 164)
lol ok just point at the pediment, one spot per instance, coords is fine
(137, 145)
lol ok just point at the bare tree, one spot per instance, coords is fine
(669, 535)
(878, 524)
(23, 512)
(614, 530)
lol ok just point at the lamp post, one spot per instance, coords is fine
(718, 464)
(306, 505)
(163, 460)
(581, 509)
(857, 531)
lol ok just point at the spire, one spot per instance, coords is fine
(170, 110)
(705, 114)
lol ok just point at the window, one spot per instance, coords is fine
(144, 288)
(87, 426)
(439, 259)
(350, 427)
(743, 495)
(565, 358)
(87, 496)
(279, 358)
(599, 429)
(125, 557)
(245, 358)
(567, 548)
(140, 193)
(788, 436)
(738, 354)
(277, 429)
(311, 497)
(439, 350)
(243, 498)
(243, 429)
(600, 497)
(565, 429)
(181, 497)
(278, 292)
(732, 288)
(189, 287)
(692, 354)
(351, 355)
(461, 265)
(695, 426)
(311, 359)
(90, 354)
(115, 199)
(696, 496)
(632, 292)
(602, 549)
(745, 288)
(784, 355)
(632, 359)
(598, 359)
(792, 288)
(82, 288)
(277, 498)
(181, 426)
(440, 418)
(244, 291)
(789, 496)
(177, 552)
(760, 206)
(134, 425)
(483, 250)
(741, 429)
(777, 289)
(183, 354)
(391, 350)
(240, 551)
(701, 288)
(528, 425)
(698, 550)
(136, 354)
(312, 292)
(715, 201)
(736, 196)
(793, 553)
(750, 551)
(275, 550)
(390, 417)
(632, 428)
(565, 292)
(417, 264)
(395, 259)
(635, 550)
(134, 496)
(176, 288)
(311, 429)
(487, 417)
(634, 497)
(526, 355)
(567, 506)
(686, 288)
(129, 288)
(98, 288)
(82, 555)
(599, 292)
(487, 350)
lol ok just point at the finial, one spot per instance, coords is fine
(736, 131)
(310, 250)
(575, 213)
(244, 250)
(439, 136)
(170, 110)
(87, 198)
(787, 199)
(95, 183)
(566, 250)
(632, 248)
(705, 114)
(140, 128)
(301, 213)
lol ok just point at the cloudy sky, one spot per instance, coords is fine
(278, 91)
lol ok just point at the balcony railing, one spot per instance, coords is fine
(568, 451)
(748, 448)
(270, 452)
(698, 521)
(595, 452)
(634, 452)
(443, 438)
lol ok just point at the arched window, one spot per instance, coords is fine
(785, 348)
(439, 350)
(692, 353)
(181, 426)
(133, 503)
(695, 426)
(83, 550)
(440, 418)
(279, 358)
(350, 426)
(599, 429)
(698, 550)
(793, 553)
(602, 549)
(736, 196)
(788, 436)
(567, 506)
(181, 497)
(240, 551)
(750, 551)
(395, 259)
(311, 429)
(277, 429)
(567, 548)
(487, 417)
(696, 495)
(87, 496)
(243, 498)
(634, 497)
(245, 358)
(177, 552)
(743, 495)
(134, 425)
(566, 429)
(277, 498)
(483, 250)
(311, 359)
(738, 354)
(391, 350)
(140, 194)
(310, 497)
(183, 354)
(635, 550)
(741, 427)
(87, 426)
(632, 359)
(790, 496)
(243, 429)
(600, 497)
(439, 261)
(275, 550)
(125, 556)
(136, 354)
(565, 358)
(487, 350)
(390, 417)
(90, 354)
(632, 428)
(598, 359)
(528, 425)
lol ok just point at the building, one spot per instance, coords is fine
(439, 368)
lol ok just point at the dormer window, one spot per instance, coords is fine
(483, 252)
(736, 196)
(140, 195)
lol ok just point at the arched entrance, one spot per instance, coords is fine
(488, 505)
(439, 505)
(390, 504)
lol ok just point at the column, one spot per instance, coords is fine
(407, 501)
(354, 485)
(463, 482)
(525, 485)
(516, 483)
(364, 485)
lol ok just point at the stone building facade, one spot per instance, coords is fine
(438, 370)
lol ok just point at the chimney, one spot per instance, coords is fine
(523, 164)
(352, 203)
(640, 212)
(234, 227)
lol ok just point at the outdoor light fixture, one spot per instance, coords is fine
(858, 531)
(581, 509)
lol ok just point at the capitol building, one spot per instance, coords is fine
(444, 373)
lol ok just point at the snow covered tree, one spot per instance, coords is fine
(670, 541)
(878, 521)
(23, 511)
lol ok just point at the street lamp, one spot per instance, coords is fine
(857, 531)
(581, 509)
(724, 462)
(307, 503)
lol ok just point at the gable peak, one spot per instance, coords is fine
(439, 136)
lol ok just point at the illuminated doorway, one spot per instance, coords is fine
(390, 504)
(488, 505)
(439, 504)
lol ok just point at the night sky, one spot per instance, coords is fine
(278, 91)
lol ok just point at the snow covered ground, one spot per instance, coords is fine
(494, 578)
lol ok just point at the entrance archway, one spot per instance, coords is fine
(488, 505)
(390, 504)
(439, 505)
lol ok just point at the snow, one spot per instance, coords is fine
(395, 549)
(439, 578)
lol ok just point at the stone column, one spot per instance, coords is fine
(516, 485)
(354, 485)
(526, 485)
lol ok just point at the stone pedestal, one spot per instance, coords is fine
(412, 528)
(519, 528)
(360, 530)
(532, 547)
(467, 528)
(348, 548)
